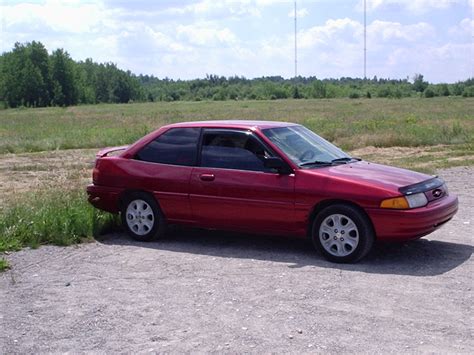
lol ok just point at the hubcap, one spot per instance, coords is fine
(339, 235)
(140, 217)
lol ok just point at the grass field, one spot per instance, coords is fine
(348, 123)
(42, 178)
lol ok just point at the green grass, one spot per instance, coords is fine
(348, 123)
(51, 217)
(4, 265)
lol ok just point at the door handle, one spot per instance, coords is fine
(207, 177)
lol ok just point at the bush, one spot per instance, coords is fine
(397, 94)
(443, 90)
(429, 92)
(468, 91)
(457, 89)
(354, 95)
(384, 91)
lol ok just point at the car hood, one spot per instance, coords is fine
(383, 176)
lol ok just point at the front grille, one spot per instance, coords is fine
(436, 193)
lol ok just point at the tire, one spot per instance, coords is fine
(342, 233)
(142, 217)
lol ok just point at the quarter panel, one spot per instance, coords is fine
(169, 184)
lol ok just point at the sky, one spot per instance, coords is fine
(253, 38)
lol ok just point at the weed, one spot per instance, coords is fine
(4, 264)
(51, 217)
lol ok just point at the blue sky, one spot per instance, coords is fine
(252, 38)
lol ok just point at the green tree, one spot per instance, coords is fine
(25, 75)
(430, 92)
(62, 75)
(443, 90)
(318, 89)
(419, 85)
(32, 85)
(39, 58)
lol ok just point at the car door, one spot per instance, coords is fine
(231, 188)
(164, 167)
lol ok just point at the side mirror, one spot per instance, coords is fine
(278, 164)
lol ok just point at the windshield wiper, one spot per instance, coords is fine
(317, 162)
(345, 159)
(332, 162)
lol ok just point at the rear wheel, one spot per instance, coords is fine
(342, 233)
(142, 217)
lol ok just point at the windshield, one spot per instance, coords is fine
(303, 146)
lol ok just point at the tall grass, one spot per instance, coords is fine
(349, 123)
(51, 217)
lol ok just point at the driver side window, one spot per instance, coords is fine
(233, 150)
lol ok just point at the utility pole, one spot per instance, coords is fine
(365, 39)
(296, 51)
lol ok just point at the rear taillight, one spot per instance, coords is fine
(95, 171)
(96, 162)
(95, 175)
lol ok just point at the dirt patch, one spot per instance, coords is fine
(201, 291)
(20, 173)
(427, 159)
(394, 153)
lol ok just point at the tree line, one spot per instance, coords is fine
(215, 87)
(30, 76)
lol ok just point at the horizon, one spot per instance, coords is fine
(188, 40)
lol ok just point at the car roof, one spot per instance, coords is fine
(242, 124)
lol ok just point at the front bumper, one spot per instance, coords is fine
(104, 198)
(400, 225)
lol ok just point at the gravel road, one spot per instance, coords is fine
(199, 291)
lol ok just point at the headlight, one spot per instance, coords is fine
(405, 202)
(417, 200)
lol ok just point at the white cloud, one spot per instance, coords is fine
(389, 31)
(206, 8)
(300, 13)
(335, 48)
(350, 31)
(231, 37)
(412, 5)
(205, 34)
(443, 63)
(464, 28)
(72, 16)
(332, 31)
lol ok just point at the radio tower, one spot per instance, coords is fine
(365, 39)
(296, 51)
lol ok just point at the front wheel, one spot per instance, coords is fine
(142, 217)
(342, 233)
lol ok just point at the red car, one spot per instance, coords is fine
(265, 177)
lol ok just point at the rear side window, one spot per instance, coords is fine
(178, 146)
(233, 150)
